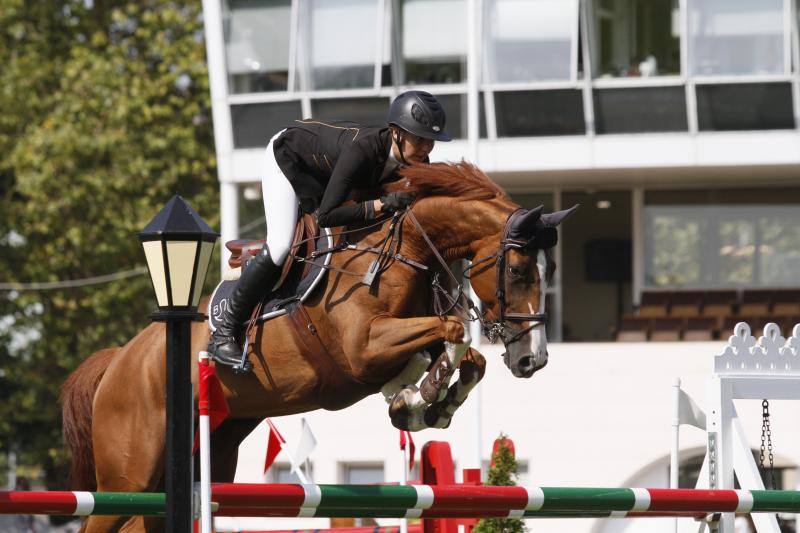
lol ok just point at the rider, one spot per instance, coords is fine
(313, 165)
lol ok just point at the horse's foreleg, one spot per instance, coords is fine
(470, 372)
(392, 341)
(407, 410)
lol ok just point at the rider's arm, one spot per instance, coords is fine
(351, 165)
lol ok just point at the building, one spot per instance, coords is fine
(674, 123)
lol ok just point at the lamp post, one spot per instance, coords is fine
(178, 245)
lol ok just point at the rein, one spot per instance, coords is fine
(492, 329)
(444, 302)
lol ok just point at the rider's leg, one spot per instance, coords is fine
(263, 271)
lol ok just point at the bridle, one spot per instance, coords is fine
(496, 329)
(443, 301)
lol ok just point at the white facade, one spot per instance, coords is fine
(559, 101)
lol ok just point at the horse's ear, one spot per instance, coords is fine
(525, 224)
(554, 219)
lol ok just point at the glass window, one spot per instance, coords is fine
(434, 37)
(368, 111)
(532, 40)
(636, 38)
(252, 222)
(257, 44)
(282, 473)
(639, 110)
(736, 37)
(722, 246)
(455, 107)
(255, 124)
(362, 474)
(750, 106)
(532, 113)
(342, 37)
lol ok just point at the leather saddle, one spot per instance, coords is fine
(298, 278)
(306, 232)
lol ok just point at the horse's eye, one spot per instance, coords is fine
(515, 272)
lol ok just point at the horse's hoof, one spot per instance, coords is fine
(436, 417)
(400, 422)
(401, 404)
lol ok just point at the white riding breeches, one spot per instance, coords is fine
(280, 206)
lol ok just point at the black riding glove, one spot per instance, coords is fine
(396, 201)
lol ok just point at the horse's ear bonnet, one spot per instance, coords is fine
(532, 230)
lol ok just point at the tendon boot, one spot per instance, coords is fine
(258, 276)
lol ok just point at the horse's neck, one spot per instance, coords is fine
(456, 228)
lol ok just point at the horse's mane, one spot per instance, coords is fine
(461, 180)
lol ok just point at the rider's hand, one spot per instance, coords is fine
(396, 201)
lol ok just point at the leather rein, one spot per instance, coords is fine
(497, 329)
(444, 302)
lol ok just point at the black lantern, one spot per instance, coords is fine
(178, 246)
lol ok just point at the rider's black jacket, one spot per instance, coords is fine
(325, 161)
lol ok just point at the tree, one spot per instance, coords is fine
(502, 472)
(106, 115)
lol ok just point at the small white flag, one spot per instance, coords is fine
(689, 412)
(307, 443)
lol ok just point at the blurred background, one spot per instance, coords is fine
(674, 123)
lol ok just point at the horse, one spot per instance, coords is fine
(379, 336)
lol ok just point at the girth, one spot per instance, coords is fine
(336, 389)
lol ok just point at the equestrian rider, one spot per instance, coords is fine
(315, 165)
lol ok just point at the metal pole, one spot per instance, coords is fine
(676, 427)
(178, 461)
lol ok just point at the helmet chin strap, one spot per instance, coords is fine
(397, 136)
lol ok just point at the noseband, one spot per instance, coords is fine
(493, 330)
(498, 328)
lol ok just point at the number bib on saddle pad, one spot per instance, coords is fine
(293, 288)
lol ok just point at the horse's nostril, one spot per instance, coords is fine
(525, 362)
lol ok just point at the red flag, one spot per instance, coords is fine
(411, 449)
(274, 445)
(211, 401)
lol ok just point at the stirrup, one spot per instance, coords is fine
(239, 365)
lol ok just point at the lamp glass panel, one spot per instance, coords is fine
(181, 255)
(155, 264)
(206, 248)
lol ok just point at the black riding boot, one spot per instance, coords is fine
(258, 276)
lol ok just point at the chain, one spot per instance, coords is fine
(766, 445)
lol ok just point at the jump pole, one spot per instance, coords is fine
(413, 501)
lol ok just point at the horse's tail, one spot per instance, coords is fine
(77, 396)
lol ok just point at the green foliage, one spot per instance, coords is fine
(106, 115)
(503, 472)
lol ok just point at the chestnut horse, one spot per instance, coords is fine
(380, 336)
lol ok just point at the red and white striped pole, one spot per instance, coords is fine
(204, 408)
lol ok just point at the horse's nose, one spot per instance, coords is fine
(526, 366)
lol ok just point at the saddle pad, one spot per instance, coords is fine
(275, 304)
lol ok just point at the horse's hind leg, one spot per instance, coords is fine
(128, 435)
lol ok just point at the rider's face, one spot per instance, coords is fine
(415, 149)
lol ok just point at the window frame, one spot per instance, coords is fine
(344, 468)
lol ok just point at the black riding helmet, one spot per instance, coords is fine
(420, 113)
